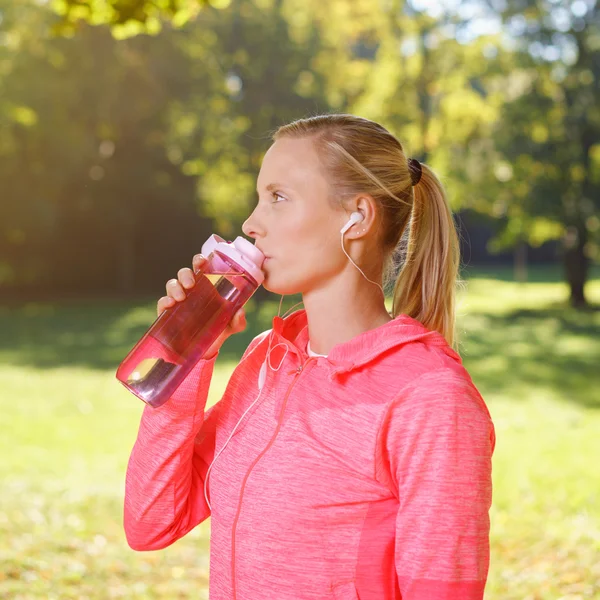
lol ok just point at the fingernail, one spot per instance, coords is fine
(198, 257)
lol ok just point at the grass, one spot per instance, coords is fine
(69, 428)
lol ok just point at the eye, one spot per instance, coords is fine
(275, 195)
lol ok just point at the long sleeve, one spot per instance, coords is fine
(164, 483)
(436, 442)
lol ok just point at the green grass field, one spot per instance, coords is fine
(68, 428)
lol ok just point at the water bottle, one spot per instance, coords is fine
(183, 333)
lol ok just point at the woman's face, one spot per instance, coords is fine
(293, 223)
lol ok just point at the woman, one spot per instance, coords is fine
(364, 468)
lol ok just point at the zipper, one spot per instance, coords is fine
(297, 372)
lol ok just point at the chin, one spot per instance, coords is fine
(286, 285)
(281, 288)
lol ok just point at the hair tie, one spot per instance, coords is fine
(416, 171)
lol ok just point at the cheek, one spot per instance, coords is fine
(312, 246)
(298, 265)
(294, 235)
(303, 246)
(301, 263)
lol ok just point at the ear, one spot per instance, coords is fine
(367, 207)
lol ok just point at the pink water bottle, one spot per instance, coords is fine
(183, 333)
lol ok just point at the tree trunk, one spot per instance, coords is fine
(576, 263)
(126, 257)
(520, 261)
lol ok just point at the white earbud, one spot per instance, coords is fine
(355, 217)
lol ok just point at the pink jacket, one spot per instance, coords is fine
(364, 475)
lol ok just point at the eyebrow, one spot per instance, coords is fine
(273, 186)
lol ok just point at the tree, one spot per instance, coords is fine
(101, 129)
(98, 130)
(550, 130)
(82, 150)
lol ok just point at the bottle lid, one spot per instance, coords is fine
(243, 252)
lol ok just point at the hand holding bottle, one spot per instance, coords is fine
(176, 292)
(223, 278)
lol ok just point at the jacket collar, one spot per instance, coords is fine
(361, 349)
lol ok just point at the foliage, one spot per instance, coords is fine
(124, 139)
(127, 18)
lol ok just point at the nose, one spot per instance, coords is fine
(249, 228)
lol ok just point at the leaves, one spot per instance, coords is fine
(128, 18)
(187, 107)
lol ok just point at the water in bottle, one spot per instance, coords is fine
(182, 334)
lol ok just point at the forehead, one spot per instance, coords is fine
(292, 163)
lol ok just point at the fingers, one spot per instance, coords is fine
(197, 262)
(176, 288)
(164, 303)
(186, 278)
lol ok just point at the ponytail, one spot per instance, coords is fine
(426, 285)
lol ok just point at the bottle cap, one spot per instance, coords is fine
(243, 252)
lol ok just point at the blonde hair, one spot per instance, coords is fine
(362, 157)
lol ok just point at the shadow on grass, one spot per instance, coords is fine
(551, 273)
(556, 348)
(99, 335)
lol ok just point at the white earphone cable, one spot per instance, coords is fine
(267, 359)
(355, 218)
(347, 226)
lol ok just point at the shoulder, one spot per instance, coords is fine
(448, 388)
(446, 381)
(439, 398)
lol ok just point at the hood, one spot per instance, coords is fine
(361, 349)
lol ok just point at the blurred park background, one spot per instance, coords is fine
(131, 130)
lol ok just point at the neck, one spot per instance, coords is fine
(331, 323)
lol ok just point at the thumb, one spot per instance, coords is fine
(240, 319)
